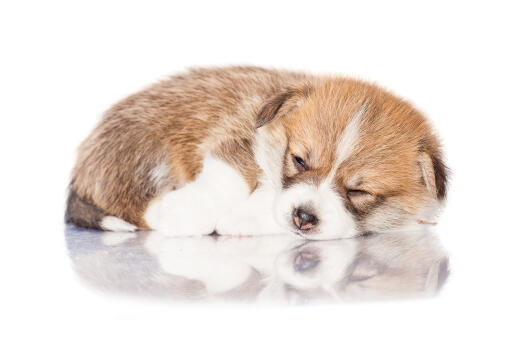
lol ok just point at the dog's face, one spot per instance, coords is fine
(348, 158)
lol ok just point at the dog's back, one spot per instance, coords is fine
(156, 139)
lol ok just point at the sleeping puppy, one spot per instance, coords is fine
(247, 150)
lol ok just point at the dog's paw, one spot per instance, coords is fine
(242, 223)
(175, 215)
(236, 224)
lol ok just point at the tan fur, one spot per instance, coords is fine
(177, 121)
(395, 141)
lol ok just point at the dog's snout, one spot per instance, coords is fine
(304, 218)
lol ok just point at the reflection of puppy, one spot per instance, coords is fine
(247, 150)
(389, 265)
(275, 268)
(221, 264)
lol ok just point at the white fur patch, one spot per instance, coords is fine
(253, 216)
(269, 155)
(349, 140)
(334, 220)
(195, 208)
(112, 223)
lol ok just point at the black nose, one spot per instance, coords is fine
(304, 219)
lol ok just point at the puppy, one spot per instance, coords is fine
(247, 150)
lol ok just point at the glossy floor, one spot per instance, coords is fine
(277, 269)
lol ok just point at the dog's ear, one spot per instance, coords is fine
(434, 171)
(281, 103)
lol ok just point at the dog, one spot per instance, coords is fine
(249, 150)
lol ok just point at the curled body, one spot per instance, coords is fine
(247, 150)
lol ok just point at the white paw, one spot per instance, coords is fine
(242, 223)
(178, 214)
(195, 208)
(112, 223)
(236, 224)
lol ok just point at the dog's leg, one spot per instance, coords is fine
(195, 208)
(253, 216)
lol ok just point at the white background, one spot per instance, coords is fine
(63, 63)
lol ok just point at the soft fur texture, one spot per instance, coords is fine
(352, 156)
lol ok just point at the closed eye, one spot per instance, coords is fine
(300, 163)
(357, 192)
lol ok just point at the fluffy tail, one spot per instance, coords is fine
(83, 213)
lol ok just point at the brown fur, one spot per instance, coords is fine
(177, 121)
(394, 138)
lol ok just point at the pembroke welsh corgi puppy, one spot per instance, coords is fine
(247, 150)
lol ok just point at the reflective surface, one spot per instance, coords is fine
(278, 269)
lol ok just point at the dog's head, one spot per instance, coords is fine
(348, 158)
